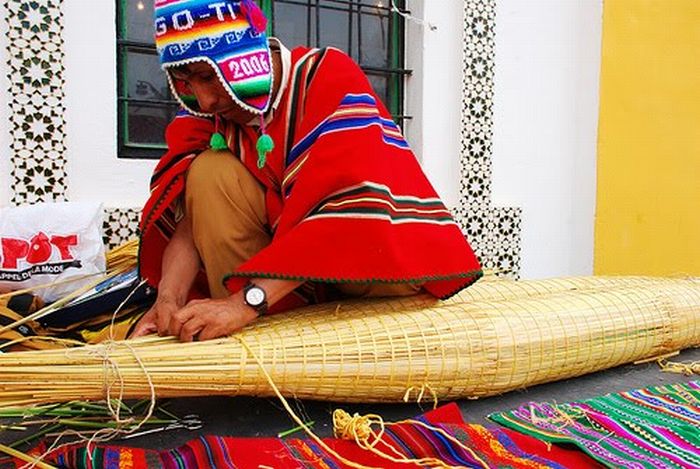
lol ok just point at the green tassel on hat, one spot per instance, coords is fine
(264, 146)
(218, 142)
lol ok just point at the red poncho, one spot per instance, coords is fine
(346, 198)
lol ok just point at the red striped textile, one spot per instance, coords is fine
(346, 198)
(492, 446)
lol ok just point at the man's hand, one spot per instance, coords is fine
(210, 319)
(156, 319)
(207, 319)
(180, 266)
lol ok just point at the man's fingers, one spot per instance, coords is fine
(191, 328)
(216, 329)
(178, 319)
(138, 332)
(144, 327)
(210, 331)
(163, 317)
(162, 323)
(173, 328)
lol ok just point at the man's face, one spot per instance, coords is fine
(210, 92)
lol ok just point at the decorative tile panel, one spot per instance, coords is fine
(120, 225)
(37, 109)
(494, 232)
(37, 126)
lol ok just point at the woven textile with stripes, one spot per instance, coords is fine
(657, 427)
(494, 337)
(492, 447)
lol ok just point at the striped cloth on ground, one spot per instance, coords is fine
(491, 447)
(657, 427)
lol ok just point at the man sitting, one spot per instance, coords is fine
(285, 183)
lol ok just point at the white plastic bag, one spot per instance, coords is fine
(50, 243)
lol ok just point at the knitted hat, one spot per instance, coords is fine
(230, 36)
(227, 34)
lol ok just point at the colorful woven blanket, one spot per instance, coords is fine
(476, 446)
(657, 427)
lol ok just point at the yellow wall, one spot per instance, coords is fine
(648, 201)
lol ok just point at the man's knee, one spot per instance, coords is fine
(376, 290)
(218, 183)
(214, 171)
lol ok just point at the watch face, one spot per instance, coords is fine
(255, 296)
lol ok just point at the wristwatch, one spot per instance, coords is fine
(255, 297)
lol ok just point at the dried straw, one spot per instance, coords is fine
(494, 337)
(124, 256)
(34, 462)
(687, 369)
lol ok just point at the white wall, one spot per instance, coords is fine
(545, 134)
(93, 168)
(545, 119)
(434, 92)
(4, 113)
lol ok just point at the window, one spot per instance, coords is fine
(145, 105)
(368, 30)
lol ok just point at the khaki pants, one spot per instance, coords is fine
(226, 205)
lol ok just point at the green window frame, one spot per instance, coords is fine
(370, 31)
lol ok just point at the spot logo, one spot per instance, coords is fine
(20, 259)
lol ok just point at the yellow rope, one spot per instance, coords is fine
(687, 369)
(294, 416)
(359, 429)
(424, 387)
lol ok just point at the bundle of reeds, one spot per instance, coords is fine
(124, 256)
(494, 337)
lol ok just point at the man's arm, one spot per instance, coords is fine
(179, 268)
